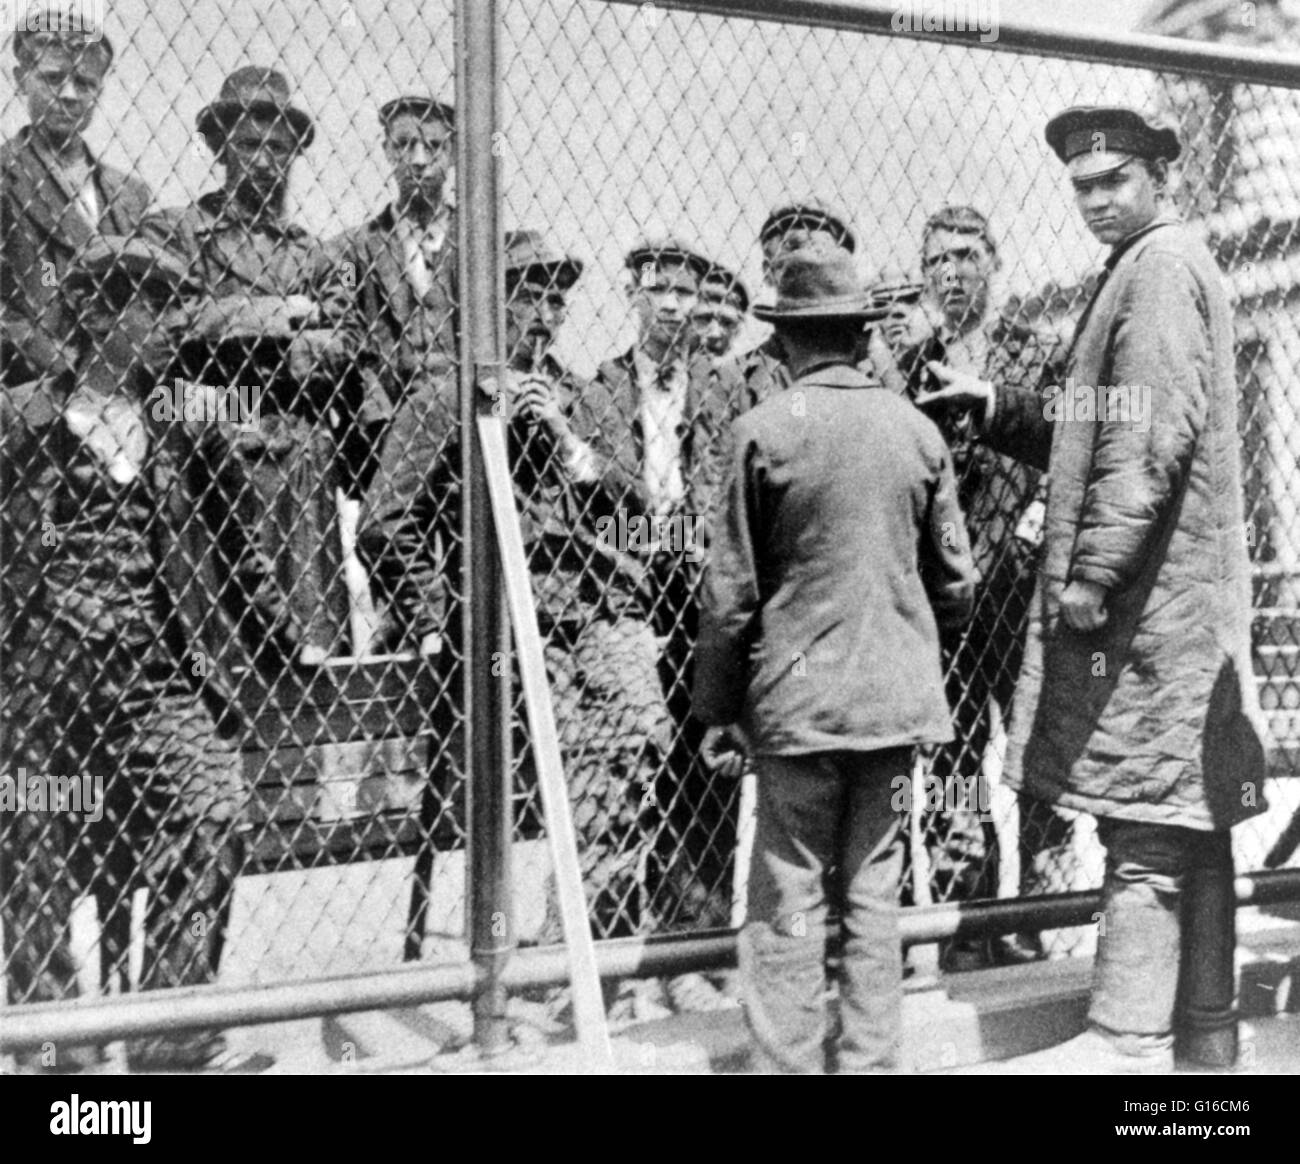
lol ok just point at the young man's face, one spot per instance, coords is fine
(61, 88)
(420, 152)
(663, 298)
(257, 155)
(716, 322)
(958, 267)
(1116, 204)
(534, 312)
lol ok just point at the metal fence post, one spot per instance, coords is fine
(487, 631)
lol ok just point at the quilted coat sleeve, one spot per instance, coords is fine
(1161, 365)
(730, 599)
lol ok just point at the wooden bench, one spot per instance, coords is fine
(337, 759)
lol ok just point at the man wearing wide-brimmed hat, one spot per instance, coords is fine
(105, 611)
(1137, 699)
(272, 312)
(55, 195)
(839, 552)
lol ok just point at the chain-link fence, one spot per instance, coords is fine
(238, 610)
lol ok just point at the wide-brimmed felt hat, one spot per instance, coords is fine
(108, 258)
(1107, 137)
(810, 214)
(526, 251)
(820, 281)
(721, 284)
(254, 92)
(666, 250)
(419, 105)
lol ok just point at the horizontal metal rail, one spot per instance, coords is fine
(127, 1016)
(1133, 50)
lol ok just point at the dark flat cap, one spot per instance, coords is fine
(721, 284)
(811, 214)
(1108, 132)
(144, 263)
(527, 252)
(819, 281)
(425, 108)
(254, 91)
(666, 250)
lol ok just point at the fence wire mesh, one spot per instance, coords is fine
(233, 526)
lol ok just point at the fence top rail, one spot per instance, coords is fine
(902, 18)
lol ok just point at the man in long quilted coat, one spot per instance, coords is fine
(1137, 701)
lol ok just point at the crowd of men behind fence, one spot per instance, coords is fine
(157, 551)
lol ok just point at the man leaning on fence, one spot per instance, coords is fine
(593, 599)
(957, 322)
(106, 627)
(1137, 701)
(402, 267)
(267, 320)
(55, 196)
(839, 546)
(659, 416)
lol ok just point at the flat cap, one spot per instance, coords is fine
(528, 252)
(144, 263)
(419, 105)
(722, 284)
(1109, 134)
(666, 250)
(810, 214)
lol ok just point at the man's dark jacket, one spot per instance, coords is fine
(41, 228)
(838, 550)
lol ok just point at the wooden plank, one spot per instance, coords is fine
(588, 1002)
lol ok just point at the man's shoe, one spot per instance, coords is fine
(695, 994)
(638, 1001)
(1018, 949)
(1094, 1053)
(956, 956)
(210, 1056)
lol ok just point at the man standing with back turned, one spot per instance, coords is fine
(1136, 701)
(839, 548)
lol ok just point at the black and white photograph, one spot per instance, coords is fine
(694, 537)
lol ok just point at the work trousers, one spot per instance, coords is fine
(826, 837)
